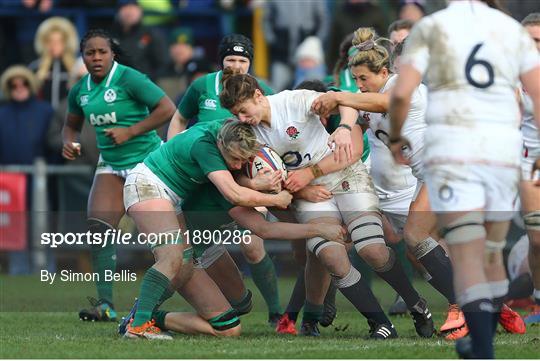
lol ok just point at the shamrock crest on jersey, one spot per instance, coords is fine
(109, 96)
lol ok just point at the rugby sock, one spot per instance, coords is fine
(154, 286)
(353, 287)
(264, 277)
(312, 312)
(437, 263)
(244, 304)
(298, 296)
(168, 293)
(330, 297)
(400, 250)
(536, 295)
(394, 275)
(520, 287)
(104, 259)
(478, 315)
(499, 289)
(159, 317)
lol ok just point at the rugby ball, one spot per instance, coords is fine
(265, 158)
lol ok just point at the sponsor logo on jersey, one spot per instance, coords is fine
(102, 119)
(210, 104)
(109, 96)
(446, 193)
(292, 132)
(84, 100)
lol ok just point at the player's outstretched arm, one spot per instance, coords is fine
(250, 219)
(242, 196)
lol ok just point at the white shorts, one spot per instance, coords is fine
(396, 208)
(461, 188)
(103, 167)
(142, 184)
(518, 254)
(528, 157)
(344, 206)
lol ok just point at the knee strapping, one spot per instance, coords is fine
(350, 279)
(474, 293)
(317, 244)
(494, 246)
(390, 263)
(225, 321)
(465, 229)
(366, 230)
(532, 221)
(424, 247)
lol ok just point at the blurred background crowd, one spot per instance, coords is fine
(173, 42)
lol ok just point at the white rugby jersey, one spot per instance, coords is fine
(415, 124)
(296, 133)
(390, 179)
(472, 57)
(531, 138)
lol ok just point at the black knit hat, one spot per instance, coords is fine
(235, 44)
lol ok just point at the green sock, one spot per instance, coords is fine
(103, 259)
(244, 304)
(264, 276)
(159, 317)
(312, 312)
(168, 293)
(154, 286)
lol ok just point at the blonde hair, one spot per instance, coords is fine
(17, 71)
(370, 50)
(71, 40)
(533, 19)
(238, 139)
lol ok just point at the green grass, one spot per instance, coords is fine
(40, 321)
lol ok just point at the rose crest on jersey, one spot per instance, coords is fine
(292, 132)
(109, 96)
(346, 186)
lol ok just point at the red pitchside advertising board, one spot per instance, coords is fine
(13, 217)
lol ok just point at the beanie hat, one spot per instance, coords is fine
(235, 44)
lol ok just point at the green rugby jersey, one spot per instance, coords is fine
(202, 98)
(123, 98)
(184, 162)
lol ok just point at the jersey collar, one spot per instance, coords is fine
(217, 82)
(109, 77)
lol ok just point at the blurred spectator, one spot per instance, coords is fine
(174, 81)
(24, 120)
(73, 190)
(399, 30)
(145, 47)
(284, 32)
(309, 61)
(56, 42)
(348, 15)
(412, 10)
(164, 9)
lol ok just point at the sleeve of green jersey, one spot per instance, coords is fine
(206, 153)
(142, 89)
(73, 106)
(189, 105)
(265, 87)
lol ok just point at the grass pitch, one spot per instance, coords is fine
(40, 321)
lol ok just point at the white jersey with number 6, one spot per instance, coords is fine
(472, 57)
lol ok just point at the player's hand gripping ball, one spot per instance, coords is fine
(267, 170)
